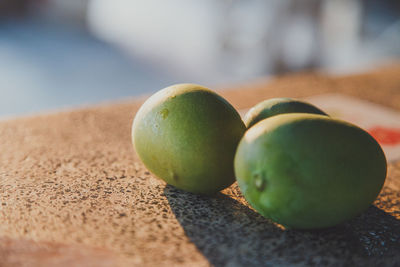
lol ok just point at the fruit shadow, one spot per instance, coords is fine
(228, 232)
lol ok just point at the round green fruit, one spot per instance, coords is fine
(187, 135)
(276, 106)
(309, 171)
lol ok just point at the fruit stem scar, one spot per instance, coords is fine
(174, 176)
(259, 181)
(164, 113)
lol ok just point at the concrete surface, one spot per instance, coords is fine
(73, 193)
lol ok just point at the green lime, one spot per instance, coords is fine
(309, 171)
(276, 106)
(187, 135)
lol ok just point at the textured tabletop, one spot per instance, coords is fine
(73, 193)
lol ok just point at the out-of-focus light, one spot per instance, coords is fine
(158, 29)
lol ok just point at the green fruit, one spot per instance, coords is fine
(276, 106)
(309, 171)
(187, 135)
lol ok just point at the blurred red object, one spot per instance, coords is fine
(385, 135)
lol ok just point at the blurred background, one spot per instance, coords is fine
(66, 53)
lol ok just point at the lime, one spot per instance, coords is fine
(309, 171)
(187, 135)
(276, 106)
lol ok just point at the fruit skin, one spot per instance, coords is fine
(275, 106)
(187, 135)
(309, 171)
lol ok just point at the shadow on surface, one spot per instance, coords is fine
(230, 233)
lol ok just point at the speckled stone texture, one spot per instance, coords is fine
(73, 193)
